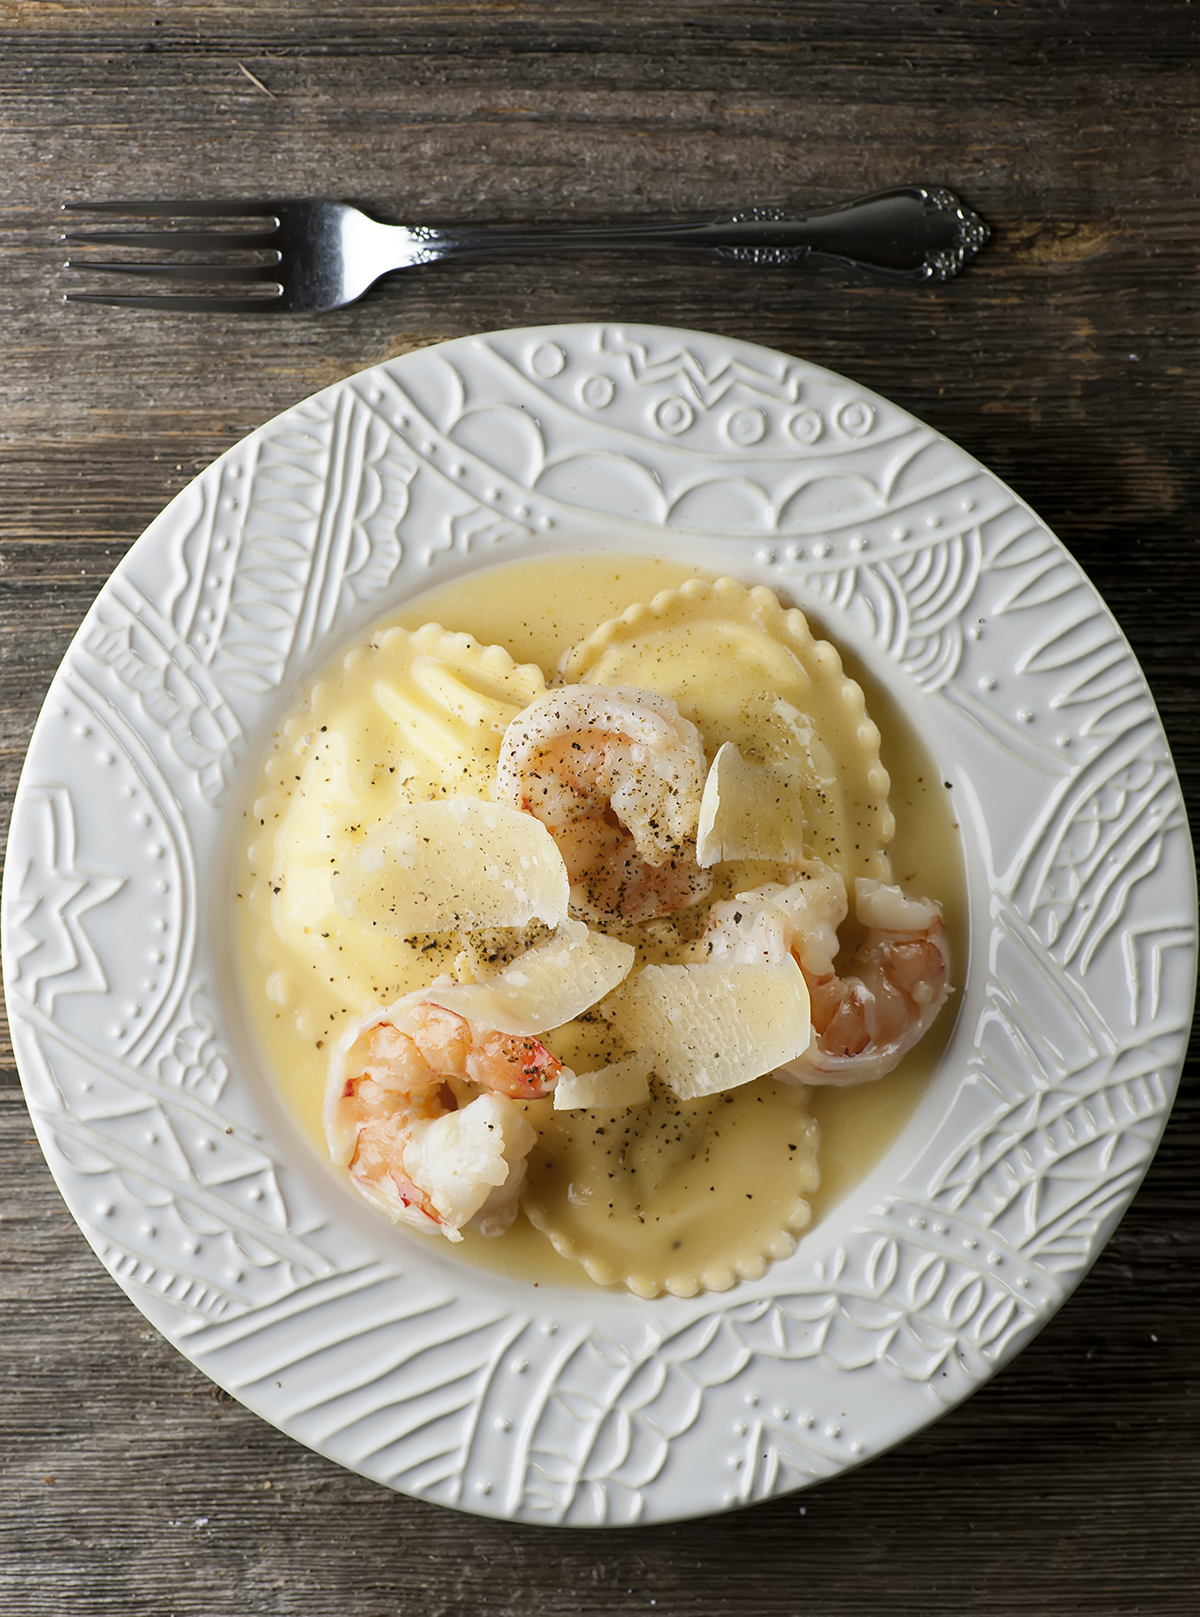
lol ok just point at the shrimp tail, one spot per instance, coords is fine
(865, 1024)
(866, 1021)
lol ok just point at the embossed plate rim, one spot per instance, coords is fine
(481, 1393)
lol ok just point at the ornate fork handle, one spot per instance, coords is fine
(916, 233)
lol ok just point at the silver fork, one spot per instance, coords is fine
(312, 256)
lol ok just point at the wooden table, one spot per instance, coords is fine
(1068, 360)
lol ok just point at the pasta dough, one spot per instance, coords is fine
(678, 1196)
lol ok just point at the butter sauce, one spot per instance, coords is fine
(304, 973)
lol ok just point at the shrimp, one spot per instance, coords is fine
(616, 775)
(865, 1022)
(394, 1118)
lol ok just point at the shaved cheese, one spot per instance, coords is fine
(456, 863)
(550, 984)
(613, 1088)
(748, 811)
(713, 1027)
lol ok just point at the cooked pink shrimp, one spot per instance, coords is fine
(863, 1022)
(393, 1115)
(616, 775)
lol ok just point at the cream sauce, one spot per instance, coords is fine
(305, 969)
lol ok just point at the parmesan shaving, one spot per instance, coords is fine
(748, 811)
(457, 863)
(713, 1027)
(550, 984)
(613, 1088)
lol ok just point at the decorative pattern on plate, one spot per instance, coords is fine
(460, 1386)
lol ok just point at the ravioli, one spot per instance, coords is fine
(407, 717)
(675, 1195)
(746, 670)
(638, 1176)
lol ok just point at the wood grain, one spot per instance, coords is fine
(1068, 360)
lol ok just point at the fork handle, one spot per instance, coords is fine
(916, 233)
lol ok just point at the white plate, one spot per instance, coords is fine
(380, 1350)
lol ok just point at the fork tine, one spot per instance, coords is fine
(189, 240)
(178, 305)
(184, 272)
(179, 210)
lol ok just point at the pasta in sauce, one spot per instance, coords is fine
(672, 1193)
